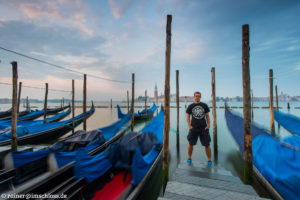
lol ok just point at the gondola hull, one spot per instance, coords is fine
(45, 136)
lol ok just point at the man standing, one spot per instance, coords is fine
(199, 127)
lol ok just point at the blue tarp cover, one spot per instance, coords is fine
(33, 129)
(7, 123)
(288, 121)
(278, 161)
(150, 110)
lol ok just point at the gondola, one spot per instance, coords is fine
(288, 121)
(46, 164)
(25, 116)
(141, 115)
(37, 134)
(7, 123)
(6, 115)
(276, 162)
(82, 178)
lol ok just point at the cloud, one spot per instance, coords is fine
(60, 12)
(119, 8)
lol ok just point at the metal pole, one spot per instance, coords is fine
(73, 105)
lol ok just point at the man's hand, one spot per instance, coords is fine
(207, 127)
(190, 127)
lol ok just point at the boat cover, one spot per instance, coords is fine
(149, 111)
(7, 123)
(277, 160)
(288, 121)
(33, 129)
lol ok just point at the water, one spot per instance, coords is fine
(228, 155)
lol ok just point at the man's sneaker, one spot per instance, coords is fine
(210, 163)
(189, 161)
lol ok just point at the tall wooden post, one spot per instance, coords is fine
(45, 104)
(146, 101)
(84, 102)
(19, 97)
(27, 104)
(276, 97)
(128, 100)
(252, 104)
(14, 117)
(271, 100)
(167, 102)
(73, 105)
(63, 102)
(288, 103)
(177, 105)
(213, 94)
(132, 103)
(248, 158)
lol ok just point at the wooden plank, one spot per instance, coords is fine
(217, 184)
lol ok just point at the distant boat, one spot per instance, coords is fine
(7, 123)
(37, 134)
(276, 162)
(288, 121)
(141, 115)
(31, 115)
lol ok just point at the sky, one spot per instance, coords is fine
(113, 39)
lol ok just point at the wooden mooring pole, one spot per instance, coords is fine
(271, 104)
(14, 117)
(19, 98)
(45, 104)
(111, 104)
(248, 158)
(276, 97)
(146, 101)
(128, 100)
(177, 106)
(215, 133)
(63, 102)
(27, 104)
(167, 102)
(84, 102)
(132, 103)
(288, 103)
(252, 104)
(73, 105)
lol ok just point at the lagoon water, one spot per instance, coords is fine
(228, 154)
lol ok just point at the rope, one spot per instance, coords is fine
(61, 67)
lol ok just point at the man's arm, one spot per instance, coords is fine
(208, 121)
(188, 119)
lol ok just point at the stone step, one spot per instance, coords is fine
(213, 183)
(208, 175)
(204, 168)
(181, 191)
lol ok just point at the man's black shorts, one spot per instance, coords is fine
(202, 134)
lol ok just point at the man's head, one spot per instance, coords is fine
(197, 97)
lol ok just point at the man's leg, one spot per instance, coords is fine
(190, 151)
(208, 153)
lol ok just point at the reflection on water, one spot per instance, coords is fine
(228, 155)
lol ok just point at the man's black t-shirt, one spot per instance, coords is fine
(198, 111)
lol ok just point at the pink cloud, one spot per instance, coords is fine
(119, 8)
